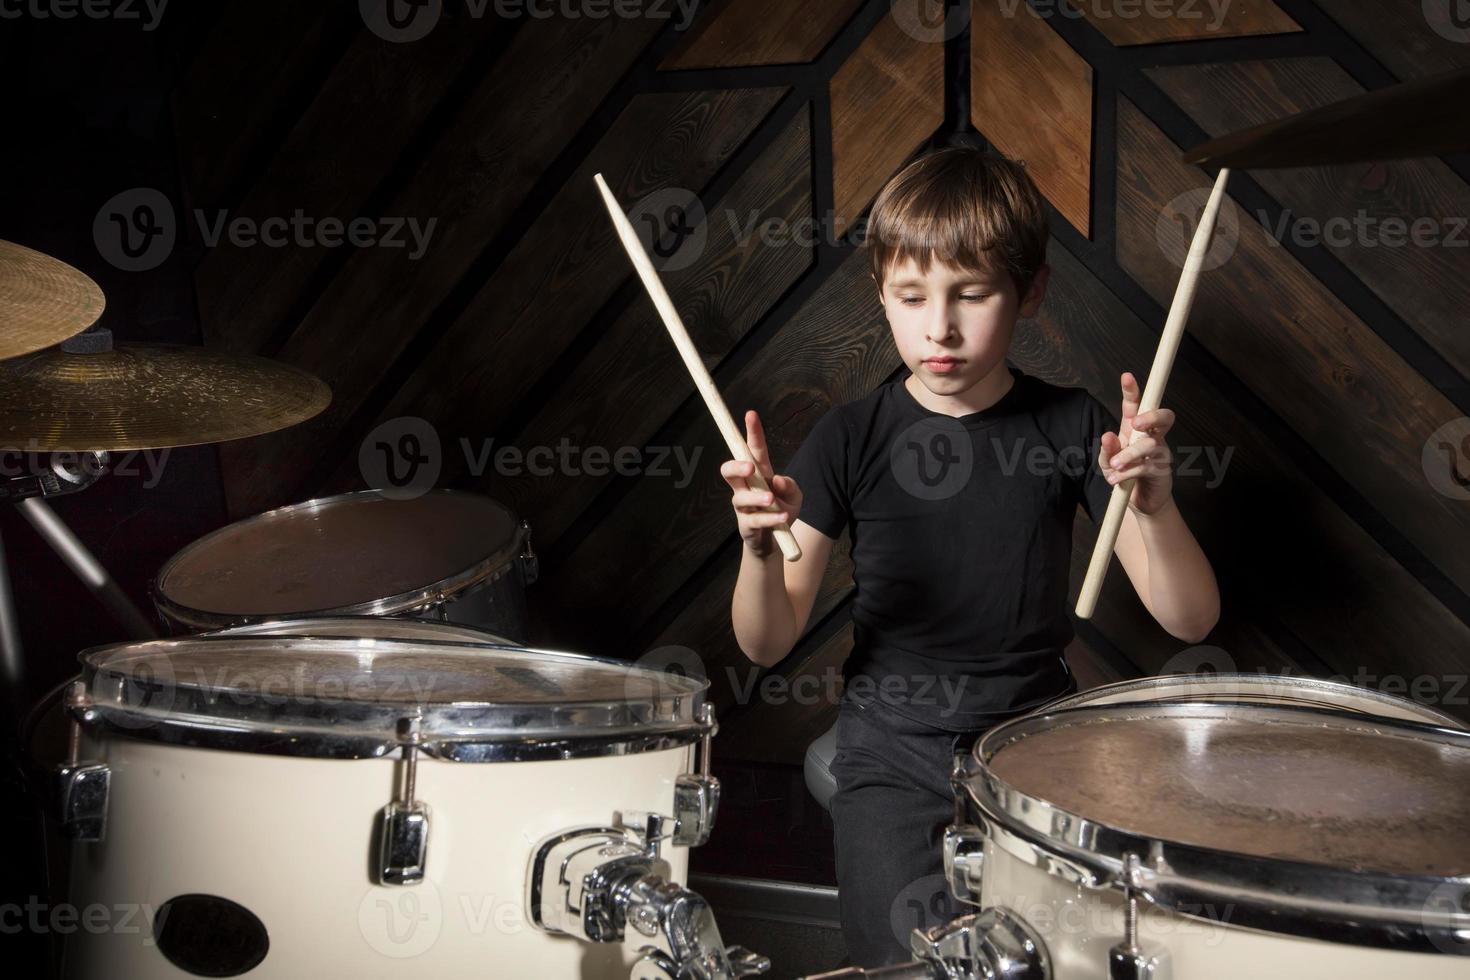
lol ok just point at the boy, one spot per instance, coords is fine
(958, 486)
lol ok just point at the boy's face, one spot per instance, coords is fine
(953, 326)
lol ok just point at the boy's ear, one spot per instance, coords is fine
(1031, 302)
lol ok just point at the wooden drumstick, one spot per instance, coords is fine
(790, 550)
(1153, 393)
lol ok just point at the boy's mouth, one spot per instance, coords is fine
(942, 365)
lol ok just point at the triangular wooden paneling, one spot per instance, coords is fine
(886, 100)
(739, 33)
(1127, 22)
(1031, 96)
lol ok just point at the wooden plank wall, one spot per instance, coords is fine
(1326, 371)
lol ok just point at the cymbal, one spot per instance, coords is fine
(148, 396)
(1422, 118)
(42, 300)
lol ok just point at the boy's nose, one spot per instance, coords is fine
(940, 327)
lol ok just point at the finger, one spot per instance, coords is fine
(763, 521)
(1155, 422)
(1110, 444)
(736, 473)
(755, 438)
(752, 499)
(1136, 450)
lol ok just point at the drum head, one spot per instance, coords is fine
(1279, 783)
(358, 553)
(347, 697)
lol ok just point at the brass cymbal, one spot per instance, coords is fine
(42, 300)
(148, 396)
(1422, 118)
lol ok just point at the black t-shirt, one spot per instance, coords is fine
(961, 532)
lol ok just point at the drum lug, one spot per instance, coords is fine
(82, 788)
(530, 564)
(403, 837)
(1127, 961)
(83, 791)
(697, 794)
(964, 861)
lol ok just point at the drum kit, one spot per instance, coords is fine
(346, 760)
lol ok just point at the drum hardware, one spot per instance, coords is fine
(591, 883)
(697, 795)
(83, 789)
(1127, 961)
(964, 861)
(403, 842)
(989, 945)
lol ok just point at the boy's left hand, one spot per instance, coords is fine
(1146, 458)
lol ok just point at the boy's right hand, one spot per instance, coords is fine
(753, 513)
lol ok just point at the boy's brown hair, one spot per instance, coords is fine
(969, 208)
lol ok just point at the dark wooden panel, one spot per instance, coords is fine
(760, 32)
(886, 100)
(1297, 347)
(778, 718)
(371, 107)
(1126, 22)
(792, 381)
(632, 378)
(1019, 60)
(1288, 559)
(470, 182)
(1426, 284)
(1400, 34)
(569, 264)
(240, 83)
(703, 624)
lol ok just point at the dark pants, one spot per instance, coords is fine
(892, 804)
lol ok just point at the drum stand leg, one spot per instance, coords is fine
(86, 567)
(11, 661)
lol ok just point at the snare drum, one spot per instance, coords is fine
(367, 627)
(1213, 841)
(295, 807)
(446, 555)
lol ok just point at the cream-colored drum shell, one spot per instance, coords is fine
(289, 839)
(1079, 925)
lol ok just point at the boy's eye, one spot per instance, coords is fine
(975, 297)
(911, 300)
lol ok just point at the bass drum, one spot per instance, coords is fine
(1309, 692)
(289, 807)
(446, 556)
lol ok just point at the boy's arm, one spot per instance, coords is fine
(1163, 560)
(1170, 572)
(773, 597)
